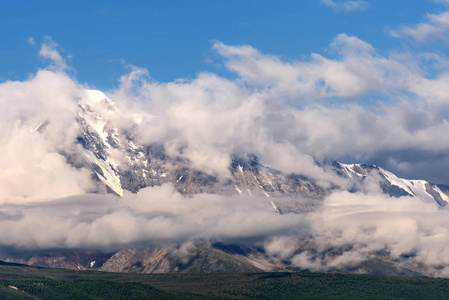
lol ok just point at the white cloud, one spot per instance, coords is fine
(156, 214)
(435, 28)
(356, 73)
(348, 229)
(357, 70)
(259, 112)
(364, 224)
(32, 165)
(31, 41)
(346, 6)
(49, 51)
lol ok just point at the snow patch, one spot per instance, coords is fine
(415, 188)
(238, 190)
(443, 195)
(109, 176)
(95, 96)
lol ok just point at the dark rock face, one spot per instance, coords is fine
(67, 260)
(438, 195)
(393, 190)
(249, 173)
(177, 259)
(207, 258)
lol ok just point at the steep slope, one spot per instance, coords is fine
(393, 185)
(82, 260)
(181, 259)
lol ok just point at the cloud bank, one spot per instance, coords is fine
(155, 215)
(364, 224)
(354, 105)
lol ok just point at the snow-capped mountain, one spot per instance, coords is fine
(121, 163)
(393, 185)
(140, 166)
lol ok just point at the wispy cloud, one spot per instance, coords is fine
(346, 6)
(49, 51)
(31, 41)
(436, 27)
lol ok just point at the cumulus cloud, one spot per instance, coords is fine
(303, 111)
(38, 125)
(259, 112)
(346, 6)
(357, 71)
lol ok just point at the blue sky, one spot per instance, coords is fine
(172, 39)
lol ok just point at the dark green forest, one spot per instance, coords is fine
(25, 282)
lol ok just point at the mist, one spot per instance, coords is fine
(155, 215)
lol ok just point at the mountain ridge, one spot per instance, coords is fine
(120, 164)
(150, 165)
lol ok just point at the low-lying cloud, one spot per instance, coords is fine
(348, 229)
(155, 215)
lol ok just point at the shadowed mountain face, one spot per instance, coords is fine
(200, 257)
(192, 257)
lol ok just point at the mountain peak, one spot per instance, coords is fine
(95, 96)
(141, 166)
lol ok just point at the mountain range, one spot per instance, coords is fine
(150, 165)
(120, 164)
